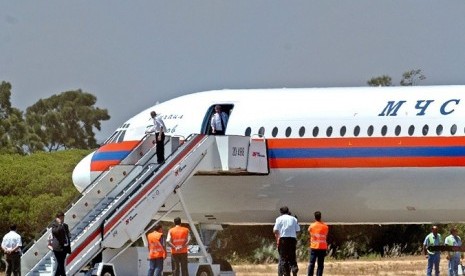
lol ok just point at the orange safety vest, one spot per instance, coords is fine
(156, 250)
(318, 232)
(179, 237)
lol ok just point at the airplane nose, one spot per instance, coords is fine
(81, 173)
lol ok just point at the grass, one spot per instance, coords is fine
(399, 266)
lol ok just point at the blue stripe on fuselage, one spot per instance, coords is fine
(110, 155)
(367, 152)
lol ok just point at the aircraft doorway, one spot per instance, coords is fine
(206, 125)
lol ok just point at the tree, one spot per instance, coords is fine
(409, 78)
(13, 130)
(412, 77)
(66, 120)
(35, 187)
(383, 80)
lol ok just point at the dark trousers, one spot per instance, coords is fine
(179, 262)
(13, 264)
(316, 256)
(60, 256)
(218, 132)
(287, 258)
(160, 146)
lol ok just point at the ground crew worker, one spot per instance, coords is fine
(157, 252)
(434, 257)
(454, 256)
(178, 239)
(285, 230)
(318, 232)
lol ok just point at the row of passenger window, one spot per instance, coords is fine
(343, 131)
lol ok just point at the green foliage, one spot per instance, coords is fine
(235, 243)
(66, 120)
(412, 77)
(383, 80)
(266, 252)
(256, 244)
(62, 121)
(13, 129)
(35, 187)
(409, 78)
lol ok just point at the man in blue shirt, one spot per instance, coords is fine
(433, 238)
(453, 256)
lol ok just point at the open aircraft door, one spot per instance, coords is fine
(225, 107)
(258, 156)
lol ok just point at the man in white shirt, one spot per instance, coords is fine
(11, 245)
(159, 129)
(219, 121)
(285, 231)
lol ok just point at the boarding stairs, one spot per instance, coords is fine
(97, 197)
(117, 207)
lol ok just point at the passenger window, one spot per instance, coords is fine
(425, 130)
(302, 131)
(439, 129)
(248, 131)
(274, 133)
(411, 130)
(315, 131)
(288, 131)
(329, 131)
(261, 132)
(397, 130)
(453, 129)
(384, 130)
(356, 131)
(370, 130)
(343, 131)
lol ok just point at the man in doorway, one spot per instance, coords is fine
(219, 121)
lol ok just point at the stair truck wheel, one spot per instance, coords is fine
(204, 271)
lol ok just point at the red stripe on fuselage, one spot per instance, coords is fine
(101, 166)
(378, 162)
(120, 146)
(364, 142)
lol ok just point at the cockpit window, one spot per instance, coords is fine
(111, 138)
(121, 136)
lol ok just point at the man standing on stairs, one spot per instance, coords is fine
(159, 129)
(178, 239)
(61, 243)
(219, 121)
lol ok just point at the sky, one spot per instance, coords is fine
(132, 54)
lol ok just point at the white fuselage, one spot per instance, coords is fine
(358, 155)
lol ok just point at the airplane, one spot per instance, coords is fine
(360, 155)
